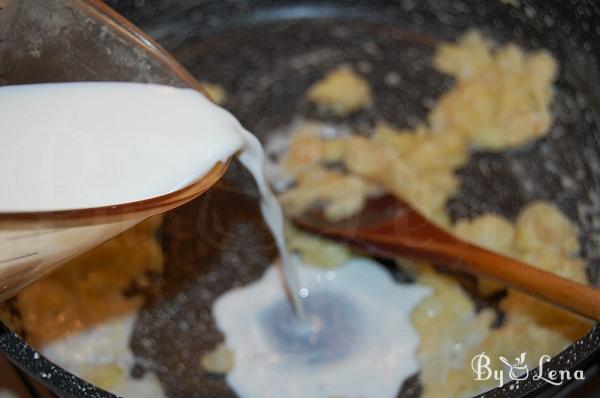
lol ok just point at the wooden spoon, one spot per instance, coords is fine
(391, 228)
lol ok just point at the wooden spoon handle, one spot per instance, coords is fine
(465, 257)
(576, 297)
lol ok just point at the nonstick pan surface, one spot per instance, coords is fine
(266, 54)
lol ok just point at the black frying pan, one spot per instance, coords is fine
(266, 53)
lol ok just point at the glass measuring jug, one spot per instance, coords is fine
(78, 40)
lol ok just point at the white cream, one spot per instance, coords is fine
(77, 145)
(106, 344)
(356, 340)
(253, 158)
(80, 145)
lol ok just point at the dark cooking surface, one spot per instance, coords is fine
(210, 245)
(267, 76)
(265, 80)
(268, 66)
(23, 386)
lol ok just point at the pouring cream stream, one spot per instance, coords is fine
(68, 146)
(83, 145)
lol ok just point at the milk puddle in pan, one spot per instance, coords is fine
(344, 332)
(356, 338)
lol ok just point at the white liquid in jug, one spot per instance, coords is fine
(78, 145)
(81, 145)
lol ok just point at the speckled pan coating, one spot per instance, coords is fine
(266, 59)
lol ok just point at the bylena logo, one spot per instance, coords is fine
(518, 370)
